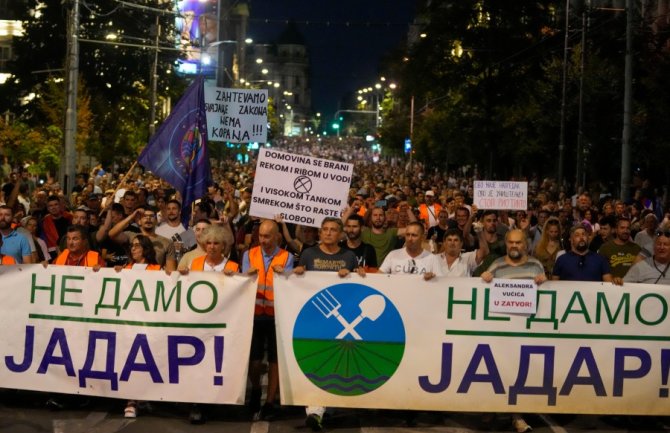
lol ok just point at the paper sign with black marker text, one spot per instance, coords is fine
(236, 115)
(303, 189)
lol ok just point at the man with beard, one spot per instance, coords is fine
(493, 238)
(165, 254)
(581, 264)
(172, 224)
(654, 269)
(14, 244)
(516, 264)
(412, 258)
(382, 239)
(365, 254)
(620, 252)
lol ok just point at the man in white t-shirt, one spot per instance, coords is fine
(412, 259)
(455, 262)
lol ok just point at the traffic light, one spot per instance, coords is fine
(336, 125)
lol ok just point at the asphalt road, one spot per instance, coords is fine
(24, 412)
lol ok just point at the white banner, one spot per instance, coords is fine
(400, 342)
(303, 189)
(236, 115)
(132, 334)
(500, 195)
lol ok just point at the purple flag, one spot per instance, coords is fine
(177, 152)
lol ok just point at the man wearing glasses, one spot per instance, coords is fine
(654, 269)
(413, 259)
(580, 263)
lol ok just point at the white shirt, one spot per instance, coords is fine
(463, 266)
(399, 262)
(167, 231)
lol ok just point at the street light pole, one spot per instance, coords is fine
(154, 82)
(561, 140)
(68, 169)
(627, 104)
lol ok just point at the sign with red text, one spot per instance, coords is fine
(513, 296)
(500, 195)
(302, 189)
(138, 335)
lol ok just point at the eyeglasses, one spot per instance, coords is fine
(413, 269)
(663, 233)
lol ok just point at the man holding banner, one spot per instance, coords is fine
(265, 260)
(327, 256)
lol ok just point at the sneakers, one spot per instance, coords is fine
(131, 410)
(313, 421)
(520, 425)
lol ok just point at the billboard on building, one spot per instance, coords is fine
(197, 30)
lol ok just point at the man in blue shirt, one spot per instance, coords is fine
(581, 264)
(14, 244)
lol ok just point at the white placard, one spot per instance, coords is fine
(513, 296)
(236, 115)
(500, 195)
(303, 189)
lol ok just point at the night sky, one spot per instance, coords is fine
(342, 58)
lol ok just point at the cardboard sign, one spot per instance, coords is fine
(236, 115)
(500, 195)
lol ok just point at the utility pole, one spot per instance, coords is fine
(579, 176)
(68, 168)
(627, 104)
(154, 81)
(561, 140)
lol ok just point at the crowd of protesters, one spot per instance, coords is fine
(400, 218)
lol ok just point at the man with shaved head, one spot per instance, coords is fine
(265, 260)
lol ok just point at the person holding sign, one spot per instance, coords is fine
(265, 260)
(455, 262)
(516, 265)
(327, 256)
(413, 259)
(214, 239)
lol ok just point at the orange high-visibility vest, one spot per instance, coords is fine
(424, 213)
(264, 292)
(8, 260)
(198, 264)
(92, 258)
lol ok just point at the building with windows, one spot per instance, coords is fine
(9, 27)
(283, 68)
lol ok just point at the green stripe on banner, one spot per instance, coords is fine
(127, 322)
(563, 336)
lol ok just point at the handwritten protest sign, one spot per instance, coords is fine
(501, 195)
(303, 189)
(513, 296)
(236, 115)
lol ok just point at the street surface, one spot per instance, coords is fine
(24, 412)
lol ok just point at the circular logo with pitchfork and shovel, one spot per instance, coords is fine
(349, 339)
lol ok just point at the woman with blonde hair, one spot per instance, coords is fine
(549, 245)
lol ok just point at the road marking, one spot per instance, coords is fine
(95, 422)
(260, 427)
(552, 424)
